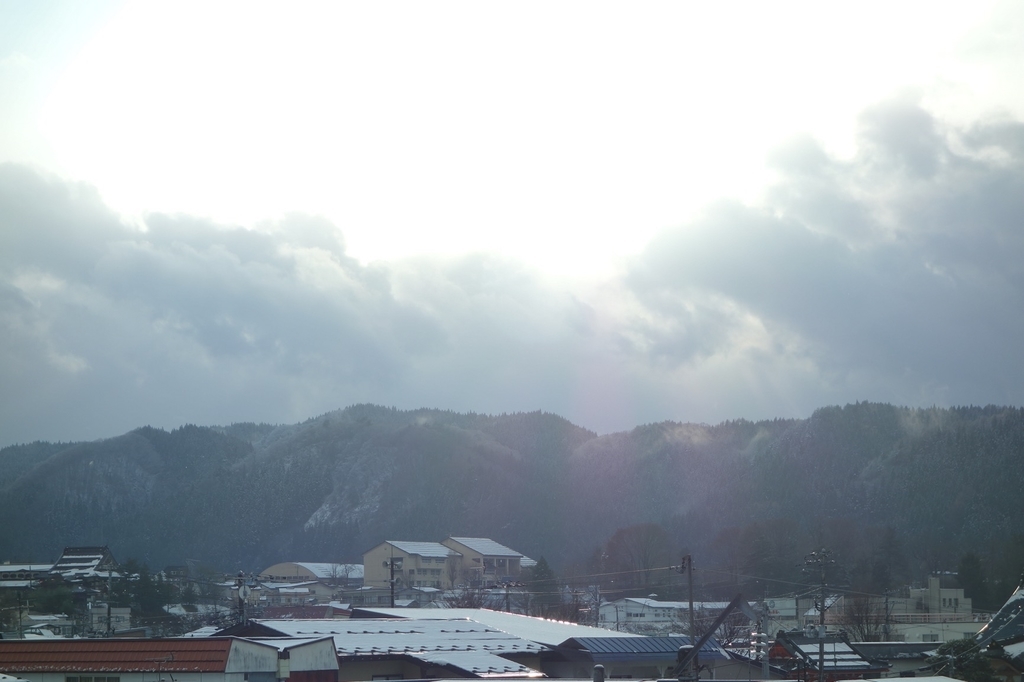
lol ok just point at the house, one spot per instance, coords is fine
(195, 659)
(485, 562)
(415, 564)
(332, 574)
(651, 616)
(799, 653)
(86, 564)
(106, 618)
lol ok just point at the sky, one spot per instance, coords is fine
(620, 213)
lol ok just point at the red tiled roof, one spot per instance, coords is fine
(115, 655)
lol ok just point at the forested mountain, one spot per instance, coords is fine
(894, 491)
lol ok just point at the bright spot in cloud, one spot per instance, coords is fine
(565, 134)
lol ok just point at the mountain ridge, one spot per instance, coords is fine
(739, 493)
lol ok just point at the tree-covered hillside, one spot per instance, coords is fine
(894, 491)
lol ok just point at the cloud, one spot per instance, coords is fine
(108, 327)
(900, 266)
(895, 274)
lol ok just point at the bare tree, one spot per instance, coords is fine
(465, 598)
(636, 551)
(863, 618)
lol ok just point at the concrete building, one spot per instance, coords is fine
(415, 564)
(485, 562)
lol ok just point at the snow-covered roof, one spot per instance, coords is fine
(196, 609)
(479, 663)
(288, 586)
(487, 547)
(539, 630)
(1007, 624)
(398, 636)
(207, 631)
(1014, 650)
(77, 563)
(527, 562)
(285, 644)
(919, 678)
(838, 654)
(685, 605)
(19, 568)
(46, 618)
(425, 549)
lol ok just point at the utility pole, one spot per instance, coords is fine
(392, 564)
(820, 560)
(687, 565)
(761, 637)
(243, 595)
(885, 627)
(110, 592)
(21, 627)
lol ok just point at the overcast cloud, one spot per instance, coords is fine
(895, 275)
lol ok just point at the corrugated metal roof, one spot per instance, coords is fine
(115, 655)
(487, 547)
(624, 648)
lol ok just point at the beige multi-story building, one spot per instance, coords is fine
(484, 561)
(415, 564)
(454, 562)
